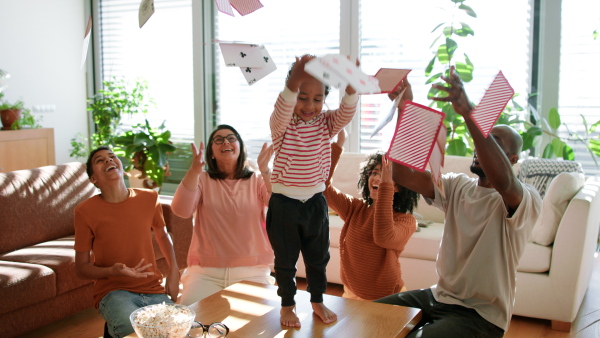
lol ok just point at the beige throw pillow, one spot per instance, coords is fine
(560, 192)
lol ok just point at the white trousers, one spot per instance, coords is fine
(200, 282)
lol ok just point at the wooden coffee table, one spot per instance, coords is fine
(252, 310)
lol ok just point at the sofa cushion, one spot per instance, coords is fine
(425, 243)
(40, 198)
(23, 284)
(335, 228)
(536, 258)
(345, 177)
(58, 255)
(560, 192)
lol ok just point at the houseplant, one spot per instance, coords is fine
(146, 149)
(117, 98)
(10, 112)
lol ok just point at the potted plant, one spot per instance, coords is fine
(117, 98)
(146, 149)
(10, 112)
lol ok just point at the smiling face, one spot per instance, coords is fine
(374, 181)
(106, 166)
(229, 149)
(310, 99)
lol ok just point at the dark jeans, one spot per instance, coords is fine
(294, 226)
(442, 320)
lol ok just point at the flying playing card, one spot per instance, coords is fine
(254, 74)
(416, 135)
(487, 112)
(242, 54)
(86, 41)
(146, 11)
(337, 69)
(390, 78)
(243, 7)
(384, 121)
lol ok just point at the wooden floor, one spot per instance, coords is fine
(89, 324)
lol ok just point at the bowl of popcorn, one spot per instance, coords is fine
(162, 321)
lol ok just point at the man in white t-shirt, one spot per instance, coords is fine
(487, 224)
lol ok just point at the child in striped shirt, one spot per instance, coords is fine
(297, 219)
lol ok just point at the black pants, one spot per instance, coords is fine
(443, 320)
(294, 226)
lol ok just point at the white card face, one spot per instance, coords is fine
(384, 121)
(242, 54)
(86, 41)
(245, 7)
(146, 11)
(390, 78)
(254, 74)
(317, 68)
(339, 67)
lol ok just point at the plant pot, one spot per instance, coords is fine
(9, 116)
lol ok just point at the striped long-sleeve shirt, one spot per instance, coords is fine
(302, 150)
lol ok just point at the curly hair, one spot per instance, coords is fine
(327, 88)
(242, 170)
(405, 200)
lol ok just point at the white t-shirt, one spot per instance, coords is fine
(481, 247)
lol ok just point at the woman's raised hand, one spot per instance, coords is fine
(386, 170)
(264, 157)
(198, 161)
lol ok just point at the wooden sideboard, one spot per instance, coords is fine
(26, 149)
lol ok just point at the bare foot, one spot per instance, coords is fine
(288, 316)
(326, 315)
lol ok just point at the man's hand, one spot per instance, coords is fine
(456, 94)
(135, 272)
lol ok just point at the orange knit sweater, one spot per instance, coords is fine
(371, 240)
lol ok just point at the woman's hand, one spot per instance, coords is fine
(386, 170)
(264, 158)
(341, 138)
(198, 161)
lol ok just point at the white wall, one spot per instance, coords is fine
(40, 47)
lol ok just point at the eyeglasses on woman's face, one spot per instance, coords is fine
(220, 139)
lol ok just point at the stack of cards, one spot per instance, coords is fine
(253, 60)
(337, 71)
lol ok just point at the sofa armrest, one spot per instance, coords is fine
(575, 245)
(180, 230)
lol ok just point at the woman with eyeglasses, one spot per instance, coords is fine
(228, 201)
(376, 227)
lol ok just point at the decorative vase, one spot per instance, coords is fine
(9, 116)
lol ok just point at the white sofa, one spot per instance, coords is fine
(551, 280)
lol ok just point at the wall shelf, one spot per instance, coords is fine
(26, 149)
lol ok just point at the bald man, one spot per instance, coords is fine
(488, 221)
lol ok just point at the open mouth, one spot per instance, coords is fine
(226, 150)
(112, 167)
(375, 187)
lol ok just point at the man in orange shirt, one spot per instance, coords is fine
(117, 225)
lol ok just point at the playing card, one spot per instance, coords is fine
(319, 68)
(254, 74)
(487, 112)
(86, 41)
(145, 12)
(416, 135)
(245, 7)
(390, 78)
(384, 121)
(224, 7)
(242, 54)
(341, 71)
(436, 160)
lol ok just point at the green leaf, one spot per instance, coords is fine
(429, 67)
(448, 30)
(595, 34)
(594, 126)
(595, 146)
(467, 29)
(468, 10)
(451, 46)
(458, 1)
(568, 153)
(436, 27)
(442, 55)
(449, 111)
(433, 78)
(527, 141)
(558, 146)
(548, 151)
(456, 147)
(554, 118)
(465, 72)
